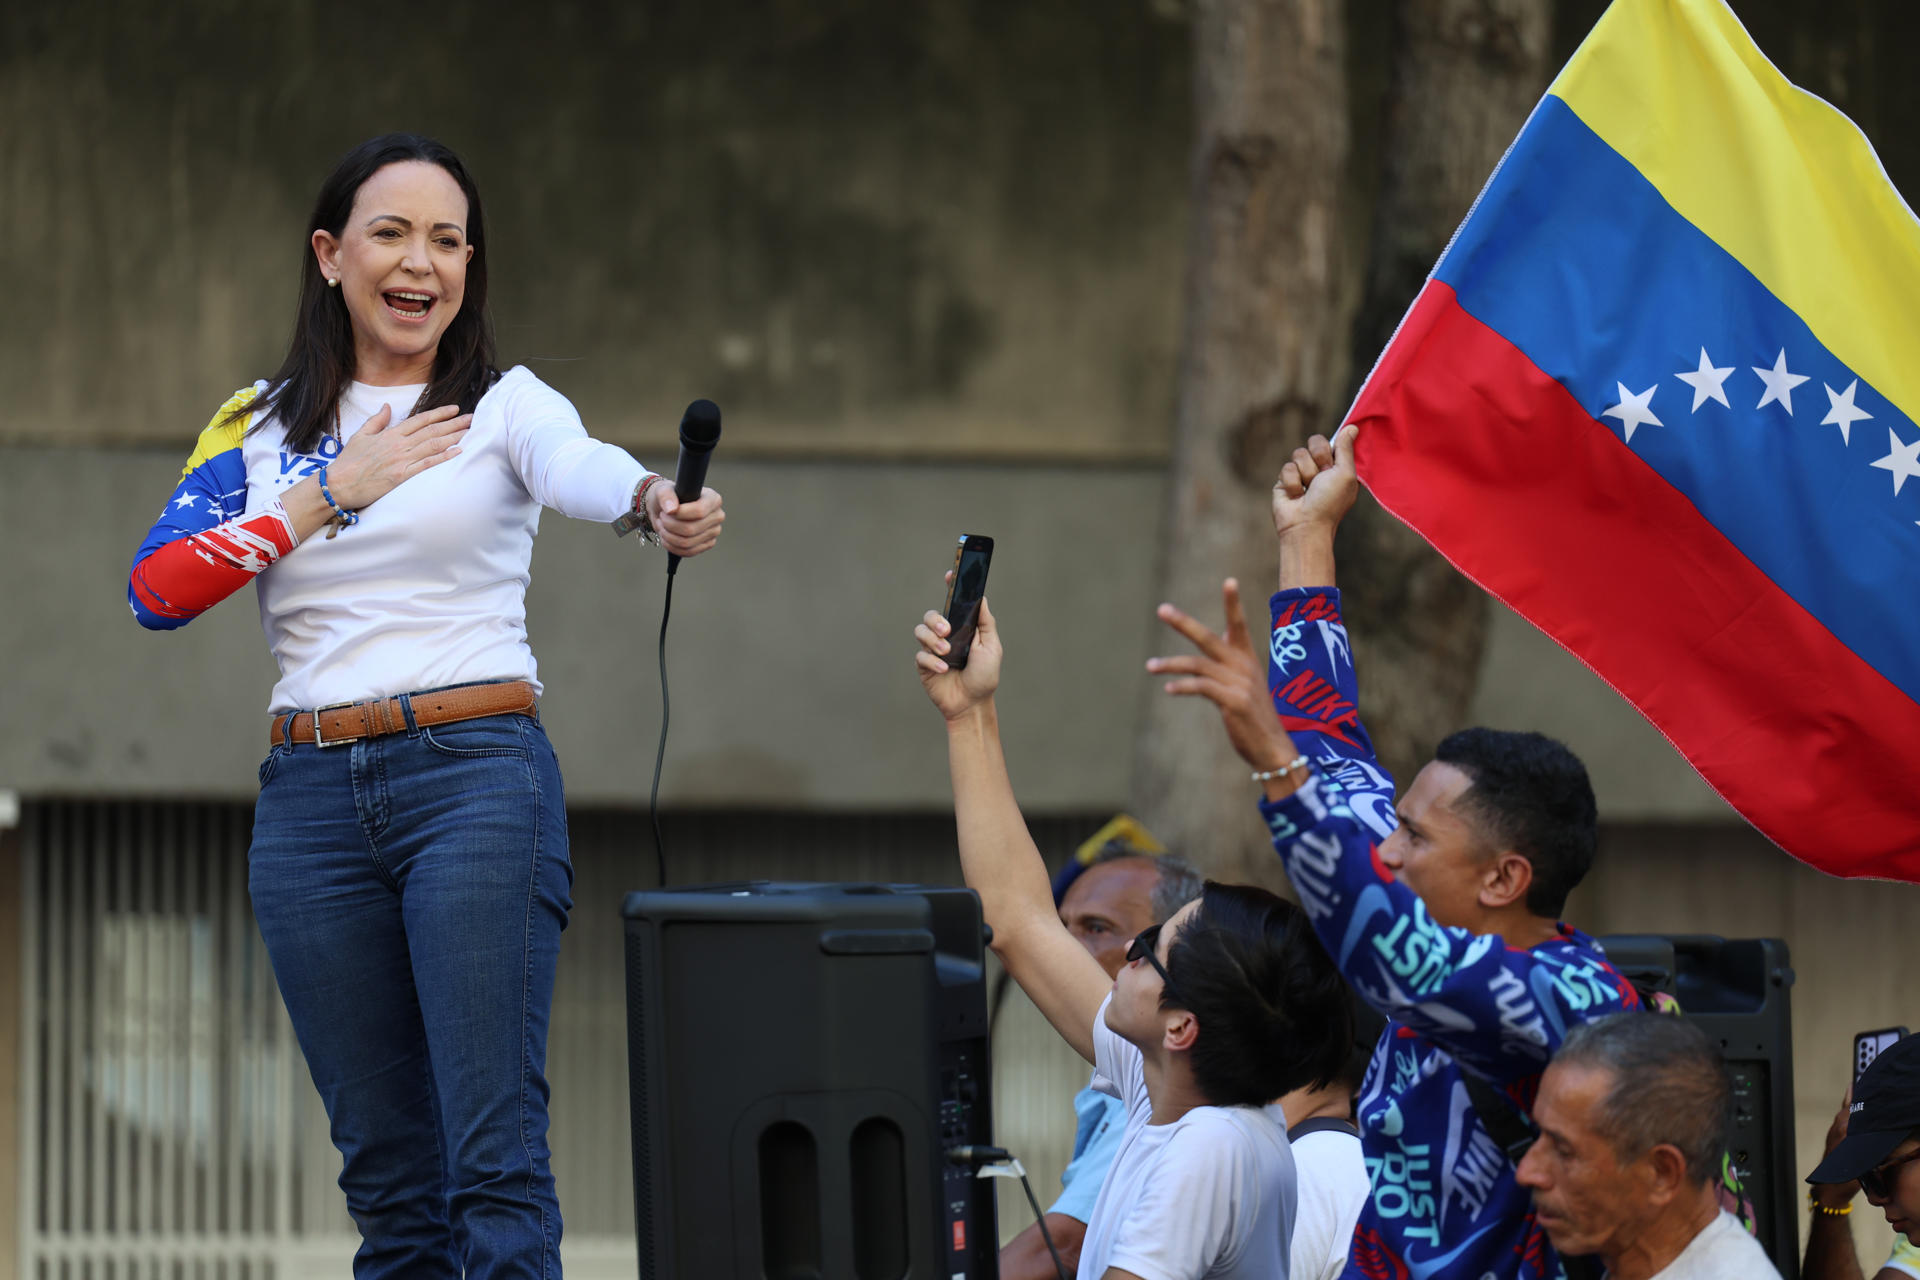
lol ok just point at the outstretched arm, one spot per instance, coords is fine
(998, 858)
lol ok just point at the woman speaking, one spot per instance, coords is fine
(409, 867)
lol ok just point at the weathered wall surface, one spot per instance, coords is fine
(885, 228)
(790, 648)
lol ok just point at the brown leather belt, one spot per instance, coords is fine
(351, 721)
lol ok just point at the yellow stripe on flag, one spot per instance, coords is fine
(1777, 177)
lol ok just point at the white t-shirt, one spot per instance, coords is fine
(1209, 1195)
(429, 588)
(1723, 1251)
(1333, 1185)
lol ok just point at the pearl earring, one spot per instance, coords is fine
(333, 281)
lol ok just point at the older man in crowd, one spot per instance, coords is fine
(1633, 1115)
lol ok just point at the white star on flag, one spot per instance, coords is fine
(183, 501)
(1708, 383)
(1844, 413)
(1780, 383)
(1903, 461)
(1634, 410)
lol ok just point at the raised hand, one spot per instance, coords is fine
(381, 457)
(956, 693)
(1317, 487)
(1230, 674)
(1837, 1195)
(685, 528)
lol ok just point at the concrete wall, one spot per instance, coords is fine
(860, 226)
(790, 650)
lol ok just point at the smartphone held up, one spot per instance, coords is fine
(964, 592)
(1868, 1045)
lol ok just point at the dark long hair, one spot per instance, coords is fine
(319, 363)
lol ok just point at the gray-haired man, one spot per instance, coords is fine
(1633, 1116)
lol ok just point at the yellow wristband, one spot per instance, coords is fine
(1822, 1210)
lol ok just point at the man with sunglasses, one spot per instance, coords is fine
(1114, 889)
(1442, 910)
(1882, 1148)
(1227, 1006)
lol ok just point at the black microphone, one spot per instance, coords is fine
(699, 432)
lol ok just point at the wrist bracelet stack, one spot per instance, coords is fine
(341, 516)
(648, 534)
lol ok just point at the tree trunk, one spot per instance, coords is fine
(1465, 75)
(1262, 368)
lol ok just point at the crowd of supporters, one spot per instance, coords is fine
(1522, 1113)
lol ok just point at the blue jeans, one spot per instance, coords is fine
(411, 890)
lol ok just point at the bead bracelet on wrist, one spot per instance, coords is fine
(341, 516)
(1283, 772)
(1813, 1202)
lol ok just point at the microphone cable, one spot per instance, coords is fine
(699, 433)
(660, 755)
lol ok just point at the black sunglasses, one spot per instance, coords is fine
(1142, 948)
(1876, 1181)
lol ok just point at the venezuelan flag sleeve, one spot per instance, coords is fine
(1659, 396)
(204, 546)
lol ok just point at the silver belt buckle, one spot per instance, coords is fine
(319, 741)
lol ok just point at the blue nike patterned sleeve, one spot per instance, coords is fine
(1310, 675)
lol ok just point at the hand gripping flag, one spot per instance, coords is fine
(1659, 396)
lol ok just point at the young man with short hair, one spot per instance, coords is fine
(1230, 1004)
(1443, 915)
(1119, 895)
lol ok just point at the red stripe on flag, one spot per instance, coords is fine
(1502, 470)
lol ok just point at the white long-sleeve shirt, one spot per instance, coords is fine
(429, 588)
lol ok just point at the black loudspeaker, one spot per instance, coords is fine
(1738, 991)
(801, 1057)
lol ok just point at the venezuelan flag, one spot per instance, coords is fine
(1659, 396)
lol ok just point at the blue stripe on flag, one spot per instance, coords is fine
(1576, 259)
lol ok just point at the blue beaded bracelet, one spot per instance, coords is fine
(340, 513)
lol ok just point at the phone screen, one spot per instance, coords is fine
(970, 561)
(1869, 1045)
